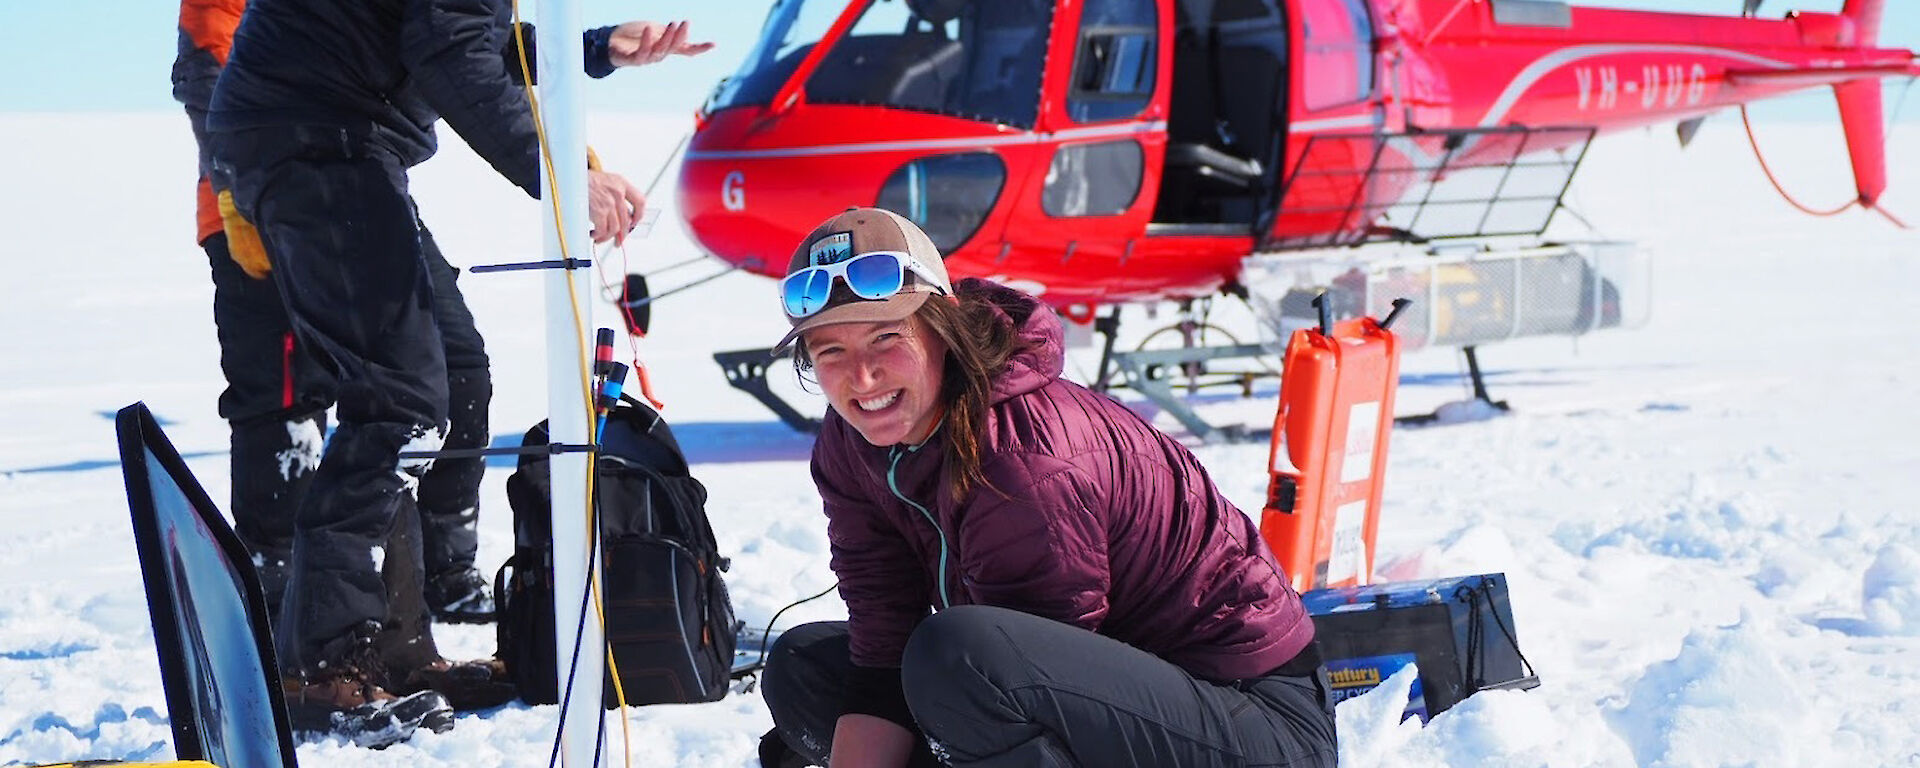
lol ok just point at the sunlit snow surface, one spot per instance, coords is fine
(1710, 524)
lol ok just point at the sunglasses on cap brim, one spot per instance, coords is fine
(872, 276)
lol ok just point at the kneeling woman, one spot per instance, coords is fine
(1094, 600)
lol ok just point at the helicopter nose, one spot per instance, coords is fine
(753, 184)
(730, 220)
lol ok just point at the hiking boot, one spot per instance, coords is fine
(774, 753)
(468, 685)
(461, 597)
(345, 703)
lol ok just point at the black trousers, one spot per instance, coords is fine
(996, 687)
(377, 308)
(276, 404)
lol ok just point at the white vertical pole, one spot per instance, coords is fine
(580, 647)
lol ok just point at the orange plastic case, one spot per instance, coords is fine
(1330, 452)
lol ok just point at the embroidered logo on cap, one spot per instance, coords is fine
(831, 249)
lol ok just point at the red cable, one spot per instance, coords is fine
(1890, 217)
(633, 341)
(618, 296)
(1776, 182)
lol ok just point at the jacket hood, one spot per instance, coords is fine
(1042, 355)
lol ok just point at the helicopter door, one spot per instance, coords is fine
(1227, 122)
(1082, 193)
(1099, 170)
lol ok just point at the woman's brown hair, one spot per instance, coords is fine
(980, 341)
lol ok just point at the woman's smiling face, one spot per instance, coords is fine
(883, 378)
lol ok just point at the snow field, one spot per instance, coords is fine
(1711, 525)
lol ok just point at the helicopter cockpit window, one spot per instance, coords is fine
(980, 61)
(792, 29)
(1339, 52)
(1113, 69)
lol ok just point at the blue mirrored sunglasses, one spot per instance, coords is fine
(871, 276)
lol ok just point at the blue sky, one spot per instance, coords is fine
(114, 55)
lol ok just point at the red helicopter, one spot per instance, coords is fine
(1099, 152)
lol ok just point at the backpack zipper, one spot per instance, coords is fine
(893, 485)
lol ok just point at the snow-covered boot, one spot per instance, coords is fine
(461, 597)
(468, 685)
(774, 753)
(347, 704)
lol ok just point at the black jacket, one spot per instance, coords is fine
(386, 70)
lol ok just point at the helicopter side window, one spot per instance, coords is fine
(1339, 53)
(979, 61)
(1098, 179)
(949, 196)
(1113, 70)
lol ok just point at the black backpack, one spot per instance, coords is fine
(668, 618)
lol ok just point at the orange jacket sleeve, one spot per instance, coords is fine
(210, 24)
(206, 25)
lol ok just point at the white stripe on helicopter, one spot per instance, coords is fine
(1526, 79)
(1369, 120)
(1545, 65)
(958, 142)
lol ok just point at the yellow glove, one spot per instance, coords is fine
(243, 241)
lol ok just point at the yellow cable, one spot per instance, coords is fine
(579, 328)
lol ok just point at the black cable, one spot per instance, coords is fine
(600, 740)
(1582, 219)
(768, 633)
(573, 665)
(1486, 583)
(1476, 645)
(662, 172)
(1901, 104)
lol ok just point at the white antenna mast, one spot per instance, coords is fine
(580, 645)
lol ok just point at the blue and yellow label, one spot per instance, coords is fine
(1352, 677)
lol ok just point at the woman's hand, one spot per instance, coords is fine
(636, 43)
(613, 205)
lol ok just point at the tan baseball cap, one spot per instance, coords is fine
(861, 231)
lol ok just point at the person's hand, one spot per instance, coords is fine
(243, 241)
(646, 42)
(613, 205)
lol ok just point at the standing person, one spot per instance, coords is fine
(321, 110)
(1097, 601)
(277, 394)
(276, 401)
(276, 398)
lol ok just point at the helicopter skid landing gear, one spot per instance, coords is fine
(1481, 403)
(1148, 373)
(1153, 371)
(746, 370)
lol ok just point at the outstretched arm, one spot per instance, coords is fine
(638, 43)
